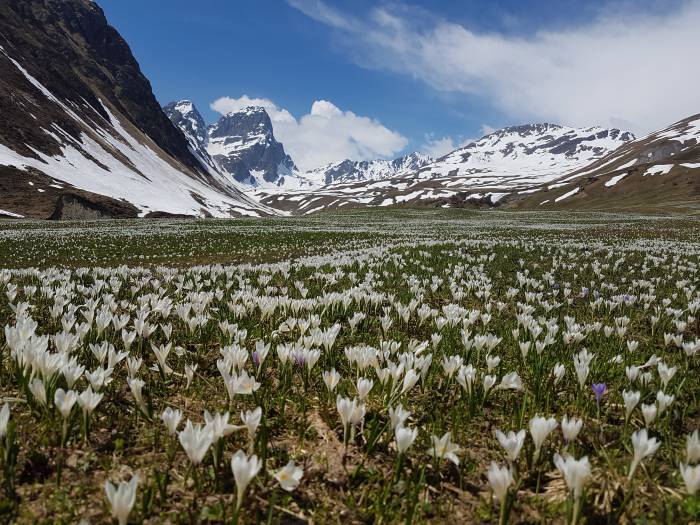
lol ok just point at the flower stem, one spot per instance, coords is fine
(577, 505)
(502, 516)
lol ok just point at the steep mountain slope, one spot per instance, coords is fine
(185, 116)
(81, 133)
(660, 171)
(368, 170)
(484, 171)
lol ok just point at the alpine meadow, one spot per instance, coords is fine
(216, 309)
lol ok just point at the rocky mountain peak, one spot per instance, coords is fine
(249, 122)
(189, 120)
(185, 116)
(241, 143)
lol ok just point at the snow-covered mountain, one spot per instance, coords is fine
(185, 116)
(368, 170)
(241, 145)
(244, 145)
(658, 171)
(81, 133)
(523, 155)
(487, 170)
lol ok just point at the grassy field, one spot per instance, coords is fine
(356, 367)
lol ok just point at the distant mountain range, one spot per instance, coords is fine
(82, 136)
(242, 145)
(481, 172)
(368, 170)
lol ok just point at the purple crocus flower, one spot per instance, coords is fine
(256, 358)
(599, 390)
(299, 358)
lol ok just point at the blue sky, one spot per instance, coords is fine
(433, 72)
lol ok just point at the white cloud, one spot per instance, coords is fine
(624, 68)
(487, 130)
(326, 134)
(438, 147)
(225, 105)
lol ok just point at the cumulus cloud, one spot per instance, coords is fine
(439, 146)
(487, 130)
(624, 68)
(225, 105)
(326, 134)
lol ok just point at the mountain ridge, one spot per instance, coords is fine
(483, 172)
(82, 132)
(82, 135)
(242, 144)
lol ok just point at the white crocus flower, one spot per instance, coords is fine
(570, 428)
(488, 382)
(289, 476)
(500, 479)
(559, 371)
(189, 374)
(540, 428)
(36, 387)
(251, 419)
(331, 378)
(443, 447)
(218, 425)
(409, 380)
(88, 400)
(171, 418)
(512, 443)
(631, 400)
(4, 420)
(196, 440)
(691, 478)
(644, 446)
(346, 408)
(649, 413)
(65, 401)
(466, 377)
(511, 381)
(666, 373)
(692, 447)
(122, 498)
(663, 401)
(364, 386)
(398, 416)
(576, 472)
(244, 469)
(136, 385)
(404, 438)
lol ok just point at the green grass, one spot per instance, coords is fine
(324, 269)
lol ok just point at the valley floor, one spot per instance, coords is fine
(382, 351)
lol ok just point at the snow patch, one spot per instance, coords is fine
(659, 169)
(614, 180)
(10, 214)
(567, 195)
